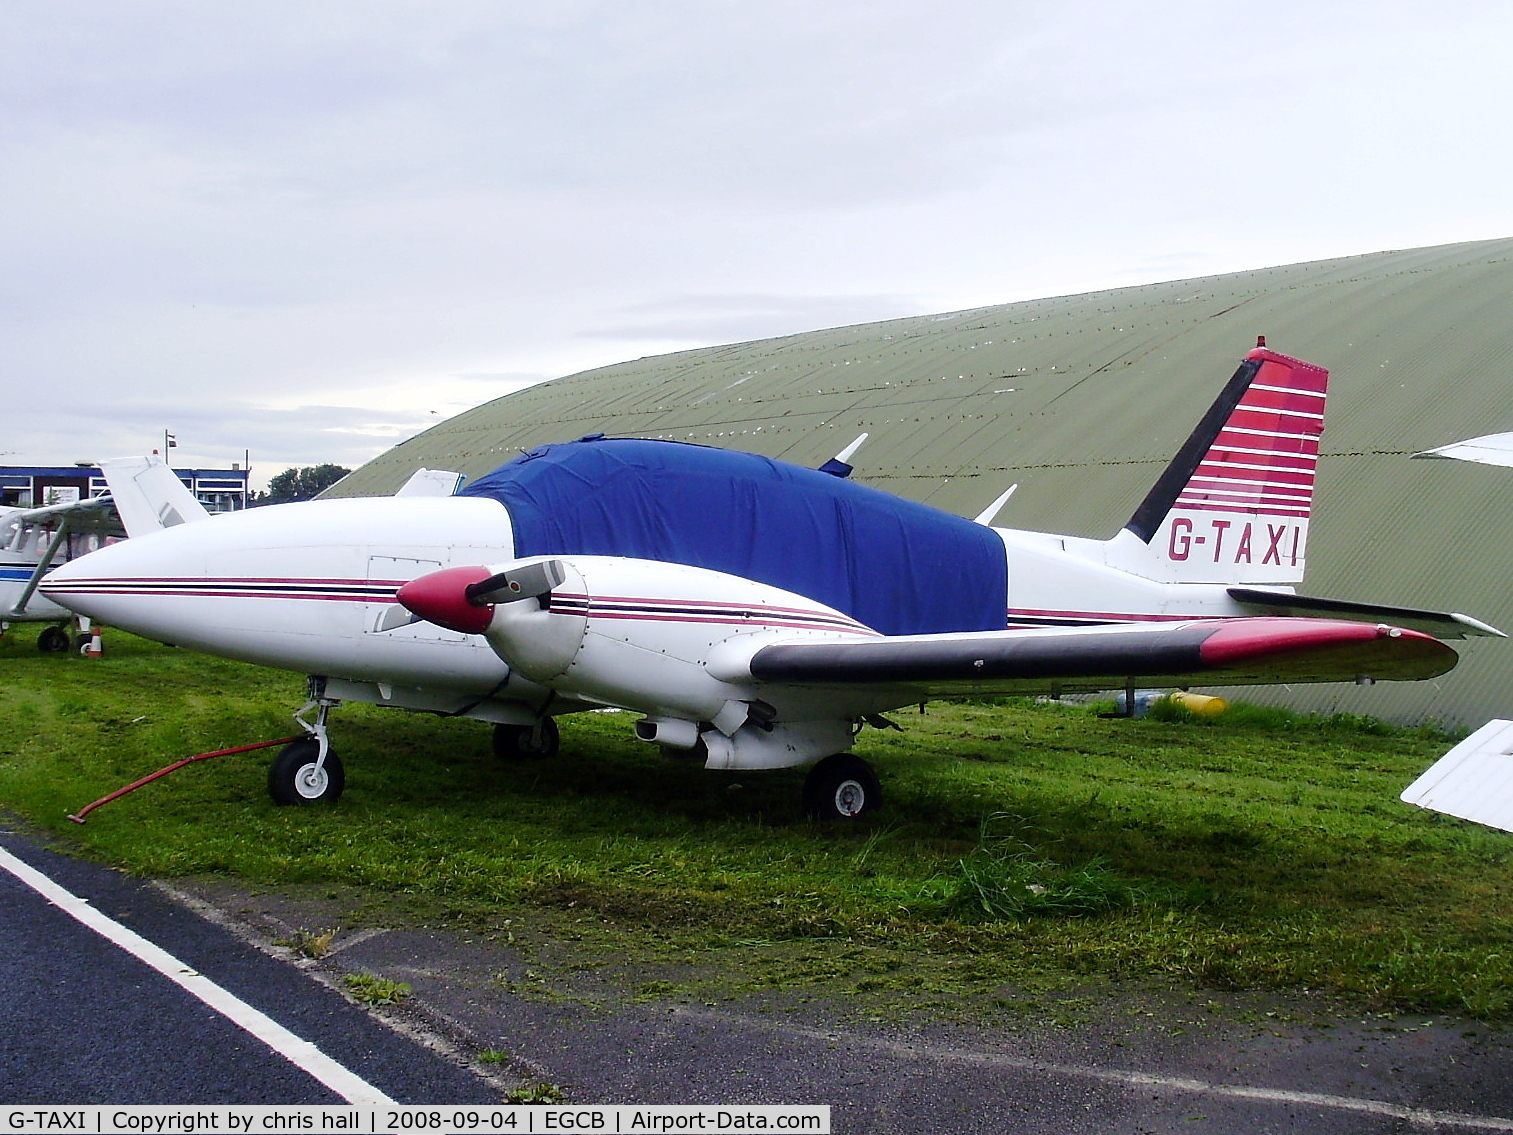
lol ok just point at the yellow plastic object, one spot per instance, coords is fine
(1200, 705)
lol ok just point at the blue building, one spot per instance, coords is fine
(31, 486)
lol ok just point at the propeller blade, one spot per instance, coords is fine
(518, 583)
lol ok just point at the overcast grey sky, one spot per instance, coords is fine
(310, 229)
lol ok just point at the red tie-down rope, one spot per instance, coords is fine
(78, 817)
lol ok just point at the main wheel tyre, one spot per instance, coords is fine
(294, 779)
(52, 639)
(527, 742)
(842, 787)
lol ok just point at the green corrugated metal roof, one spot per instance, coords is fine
(1082, 400)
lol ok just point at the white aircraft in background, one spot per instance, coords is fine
(32, 540)
(757, 614)
(1489, 449)
(1474, 780)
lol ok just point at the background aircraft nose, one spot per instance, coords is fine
(441, 598)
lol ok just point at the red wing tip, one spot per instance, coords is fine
(1240, 639)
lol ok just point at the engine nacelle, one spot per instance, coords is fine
(640, 634)
(665, 639)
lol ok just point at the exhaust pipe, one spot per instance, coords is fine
(669, 732)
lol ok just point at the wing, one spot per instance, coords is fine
(1489, 449)
(84, 515)
(1474, 780)
(56, 521)
(1209, 652)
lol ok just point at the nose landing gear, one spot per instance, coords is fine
(307, 771)
(53, 640)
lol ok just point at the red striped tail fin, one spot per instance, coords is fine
(1233, 505)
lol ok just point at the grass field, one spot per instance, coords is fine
(1021, 847)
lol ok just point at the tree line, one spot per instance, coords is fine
(298, 484)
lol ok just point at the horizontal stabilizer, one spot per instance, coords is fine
(1210, 652)
(1473, 781)
(1441, 624)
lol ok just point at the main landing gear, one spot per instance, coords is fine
(57, 638)
(307, 771)
(52, 640)
(841, 787)
(527, 742)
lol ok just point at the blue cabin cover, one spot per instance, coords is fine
(897, 566)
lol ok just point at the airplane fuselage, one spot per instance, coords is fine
(755, 613)
(310, 587)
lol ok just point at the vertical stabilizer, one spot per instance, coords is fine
(149, 495)
(1233, 505)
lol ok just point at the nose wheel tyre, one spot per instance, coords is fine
(294, 779)
(527, 742)
(842, 787)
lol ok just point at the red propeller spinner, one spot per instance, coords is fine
(442, 598)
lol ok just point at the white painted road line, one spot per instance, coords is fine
(1418, 1116)
(299, 1052)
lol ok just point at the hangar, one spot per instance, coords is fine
(1083, 399)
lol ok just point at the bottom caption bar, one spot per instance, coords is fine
(408, 1119)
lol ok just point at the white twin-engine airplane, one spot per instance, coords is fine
(755, 613)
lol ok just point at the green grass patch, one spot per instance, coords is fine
(373, 990)
(1021, 846)
(536, 1093)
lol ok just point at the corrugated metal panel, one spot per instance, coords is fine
(1082, 400)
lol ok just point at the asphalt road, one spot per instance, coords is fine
(1125, 1060)
(84, 1022)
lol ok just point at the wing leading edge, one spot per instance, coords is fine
(1210, 652)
